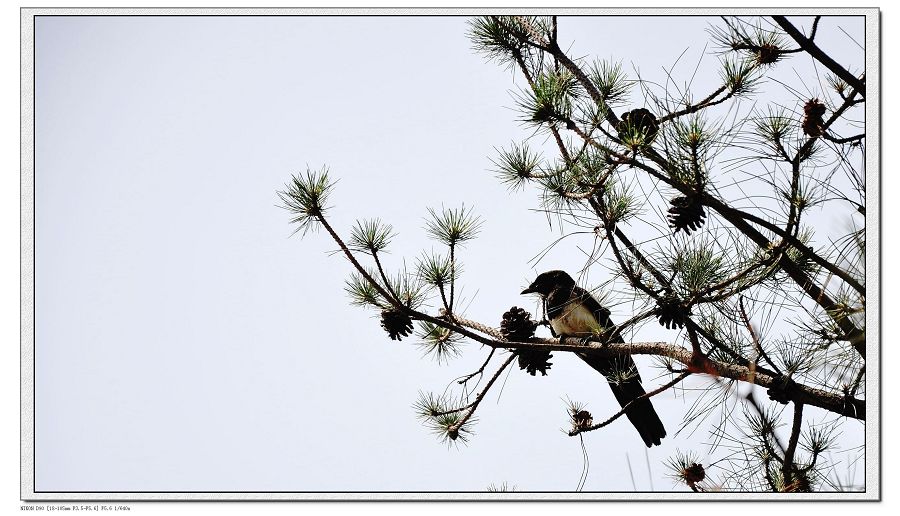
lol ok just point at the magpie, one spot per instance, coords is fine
(573, 312)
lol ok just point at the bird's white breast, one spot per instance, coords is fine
(575, 321)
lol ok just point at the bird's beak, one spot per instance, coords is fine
(528, 290)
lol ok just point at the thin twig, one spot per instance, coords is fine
(756, 342)
(628, 405)
(387, 284)
(841, 141)
(450, 307)
(480, 370)
(474, 405)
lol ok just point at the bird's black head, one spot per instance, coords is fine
(547, 282)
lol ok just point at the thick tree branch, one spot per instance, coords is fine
(833, 402)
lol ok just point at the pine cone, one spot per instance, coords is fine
(396, 323)
(800, 484)
(671, 313)
(582, 419)
(517, 325)
(767, 54)
(813, 125)
(694, 473)
(686, 213)
(639, 120)
(535, 360)
(778, 391)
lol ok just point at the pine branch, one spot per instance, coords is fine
(833, 402)
(731, 213)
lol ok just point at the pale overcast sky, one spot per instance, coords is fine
(184, 342)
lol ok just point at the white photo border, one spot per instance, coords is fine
(873, 270)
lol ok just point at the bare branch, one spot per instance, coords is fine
(820, 56)
(628, 405)
(480, 370)
(474, 405)
(788, 468)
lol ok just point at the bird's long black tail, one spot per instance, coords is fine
(625, 382)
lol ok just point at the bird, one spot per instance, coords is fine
(573, 312)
